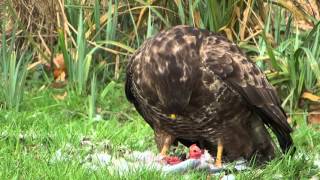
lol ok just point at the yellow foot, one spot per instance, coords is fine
(165, 149)
(218, 162)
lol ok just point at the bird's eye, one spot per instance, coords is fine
(173, 116)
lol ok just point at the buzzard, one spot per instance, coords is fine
(194, 86)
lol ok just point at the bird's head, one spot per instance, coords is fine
(195, 152)
(175, 104)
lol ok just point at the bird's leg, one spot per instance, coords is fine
(164, 141)
(218, 162)
(168, 140)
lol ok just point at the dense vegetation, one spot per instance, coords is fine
(62, 68)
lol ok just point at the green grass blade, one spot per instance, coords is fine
(181, 12)
(97, 19)
(271, 54)
(150, 26)
(92, 98)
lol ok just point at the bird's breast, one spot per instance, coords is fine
(210, 110)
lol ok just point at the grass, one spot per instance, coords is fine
(30, 139)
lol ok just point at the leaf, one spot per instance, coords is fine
(270, 51)
(246, 15)
(181, 11)
(61, 96)
(311, 97)
(314, 117)
(118, 44)
(107, 89)
(59, 70)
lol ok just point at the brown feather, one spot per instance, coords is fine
(244, 76)
(212, 87)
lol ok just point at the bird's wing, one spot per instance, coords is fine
(128, 81)
(223, 58)
(130, 70)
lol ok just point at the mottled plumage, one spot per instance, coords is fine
(214, 90)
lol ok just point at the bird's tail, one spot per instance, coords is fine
(277, 121)
(284, 139)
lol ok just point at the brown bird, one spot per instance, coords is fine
(195, 86)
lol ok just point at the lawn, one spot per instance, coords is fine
(52, 139)
(55, 131)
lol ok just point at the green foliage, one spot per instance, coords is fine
(92, 98)
(296, 64)
(13, 73)
(78, 65)
(219, 13)
(112, 21)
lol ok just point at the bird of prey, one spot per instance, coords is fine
(194, 86)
